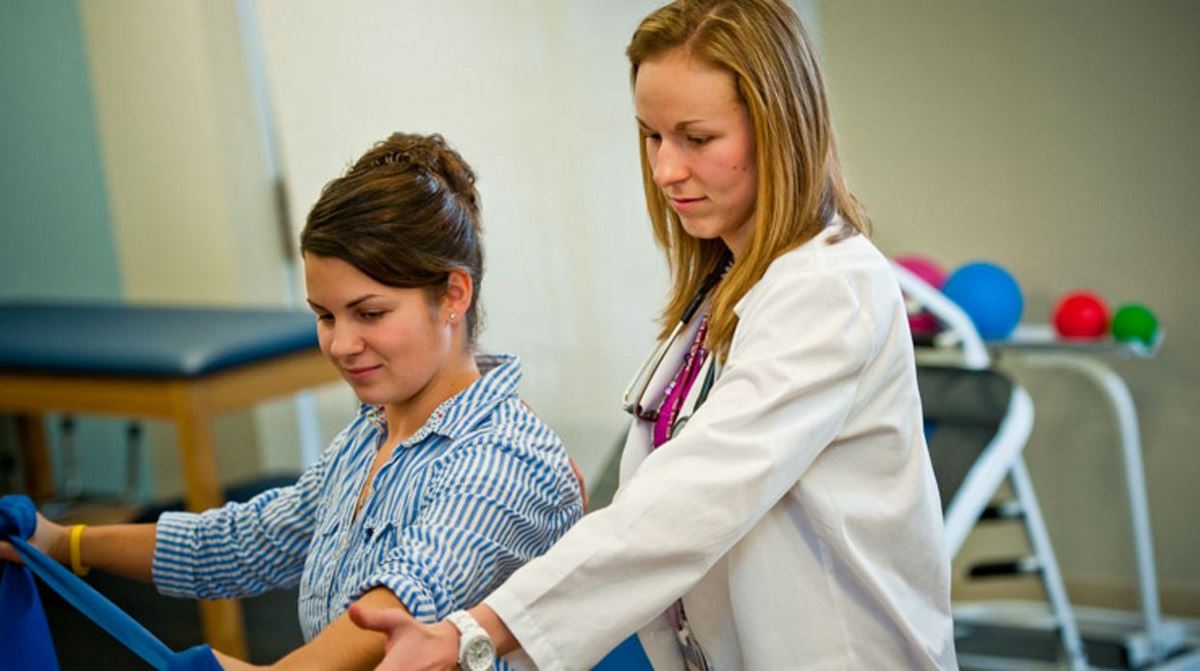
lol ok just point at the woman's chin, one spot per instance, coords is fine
(370, 396)
(698, 230)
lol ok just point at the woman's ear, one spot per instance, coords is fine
(460, 288)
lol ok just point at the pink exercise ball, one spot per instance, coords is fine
(919, 320)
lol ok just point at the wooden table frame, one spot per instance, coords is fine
(190, 404)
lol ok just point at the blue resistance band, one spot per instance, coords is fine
(17, 520)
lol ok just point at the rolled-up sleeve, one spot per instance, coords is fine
(239, 549)
(490, 508)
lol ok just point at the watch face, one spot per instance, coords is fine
(479, 655)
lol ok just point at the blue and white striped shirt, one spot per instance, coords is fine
(483, 487)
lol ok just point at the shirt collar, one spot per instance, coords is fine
(499, 376)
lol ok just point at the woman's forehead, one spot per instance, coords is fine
(680, 88)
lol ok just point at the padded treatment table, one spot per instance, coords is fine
(182, 365)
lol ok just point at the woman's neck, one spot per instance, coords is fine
(406, 417)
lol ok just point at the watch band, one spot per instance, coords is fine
(475, 648)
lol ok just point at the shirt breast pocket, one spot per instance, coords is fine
(380, 537)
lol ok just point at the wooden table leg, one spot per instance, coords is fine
(222, 622)
(35, 458)
(224, 628)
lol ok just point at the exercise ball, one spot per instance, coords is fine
(1081, 314)
(990, 297)
(1134, 322)
(920, 321)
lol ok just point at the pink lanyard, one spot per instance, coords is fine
(677, 391)
(664, 427)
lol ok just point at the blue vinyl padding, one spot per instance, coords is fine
(159, 341)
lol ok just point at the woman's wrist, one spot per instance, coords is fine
(75, 550)
(502, 637)
(449, 637)
(57, 541)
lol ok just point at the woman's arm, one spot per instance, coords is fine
(492, 505)
(413, 646)
(341, 645)
(123, 549)
(487, 508)
(272, 524)
(242, 549)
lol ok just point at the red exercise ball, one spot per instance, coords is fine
(1081, 314)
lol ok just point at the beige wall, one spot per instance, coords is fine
(1060, 140)
(190, 196)
(535, 95)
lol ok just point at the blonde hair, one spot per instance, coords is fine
(800, 183)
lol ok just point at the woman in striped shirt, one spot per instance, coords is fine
(442, 485)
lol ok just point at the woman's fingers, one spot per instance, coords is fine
(50, 538)
(582, 485)
(384, 620)
(9, 553)
(231, 664)
(411, 645)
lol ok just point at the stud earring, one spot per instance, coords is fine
(453, 316)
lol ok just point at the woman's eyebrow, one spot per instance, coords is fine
(682, 125)
(360, 299)
(351, 304)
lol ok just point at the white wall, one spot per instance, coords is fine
(535, 95)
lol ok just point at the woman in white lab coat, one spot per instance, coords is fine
(777, 507)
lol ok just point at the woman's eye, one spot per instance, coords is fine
(372, 315)
(699, 140)
(325, 318)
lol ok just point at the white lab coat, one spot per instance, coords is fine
(796, 513)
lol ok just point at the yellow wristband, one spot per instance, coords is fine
(77, 564)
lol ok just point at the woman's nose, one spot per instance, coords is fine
(667, 165)
(344, 341)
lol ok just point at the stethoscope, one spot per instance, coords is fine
(631, 400)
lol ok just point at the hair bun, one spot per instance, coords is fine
(428, 153)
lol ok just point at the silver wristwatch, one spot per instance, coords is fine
(476, 652)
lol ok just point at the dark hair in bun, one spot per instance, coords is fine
(405, 214)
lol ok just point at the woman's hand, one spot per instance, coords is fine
(411, 645)
(230, 664)
(52, 539)
(582, 485)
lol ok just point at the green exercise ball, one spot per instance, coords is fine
(1134, 322)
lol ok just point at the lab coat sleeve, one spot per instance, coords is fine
(790, 382)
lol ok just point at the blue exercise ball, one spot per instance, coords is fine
(990, 297)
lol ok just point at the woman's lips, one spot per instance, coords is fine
(360, 374)
(682, 205)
